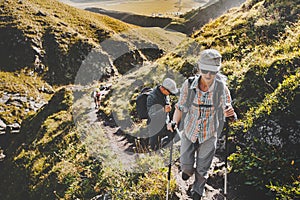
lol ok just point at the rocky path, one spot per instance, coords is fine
(123, 150)
(118, 142)
(211, 192)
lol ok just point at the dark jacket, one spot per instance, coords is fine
(156, 102)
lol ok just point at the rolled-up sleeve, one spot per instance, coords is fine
(226, 98)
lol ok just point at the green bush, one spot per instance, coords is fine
(267, 152)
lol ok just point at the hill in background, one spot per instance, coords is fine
(56, 38)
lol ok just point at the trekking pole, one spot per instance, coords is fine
(169, 172)
(226, 154)
(170, 163)
(178, 132)
(232, 119)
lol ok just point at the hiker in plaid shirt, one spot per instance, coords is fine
(204, 117)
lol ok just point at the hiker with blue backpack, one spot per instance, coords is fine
(158, 108)
(203, 105)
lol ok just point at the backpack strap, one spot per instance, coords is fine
(219, 89)
(191, 94)
(188, 103)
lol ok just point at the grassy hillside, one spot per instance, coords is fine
(56, 39)
(49, 160)
(54, 157)
(196, 18)
(18, 93)
(260, 46)
(35, 17)
(48, 41)
(46, 160)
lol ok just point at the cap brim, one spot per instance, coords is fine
(174, 91)
(212, 68)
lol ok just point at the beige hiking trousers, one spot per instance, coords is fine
(200, 156)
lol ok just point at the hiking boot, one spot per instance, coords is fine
(196, 196)
(185, 176)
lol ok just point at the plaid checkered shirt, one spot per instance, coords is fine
(199, 123)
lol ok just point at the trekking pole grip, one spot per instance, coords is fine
(173, 124)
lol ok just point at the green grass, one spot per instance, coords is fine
(263, 71)
(259, 43)
(22, 84)
(25, 86)
(35, 17)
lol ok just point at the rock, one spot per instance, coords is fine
(38, 51)
(2, 127)
(40, 13)
(2, 124)
(100, 197)
(2, 156)
(4, 98)
(15, 103)
(46, 89)
(13, 128)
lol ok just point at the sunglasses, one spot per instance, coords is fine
(206, 72)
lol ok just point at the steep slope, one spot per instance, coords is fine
(46, 160)
(21, 95)
(56, 39)
(51, 35)
(49, 40)
(61, 153)
(197, 18)
(260, 46)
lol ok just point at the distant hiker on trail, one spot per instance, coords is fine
(99, 94)
(205, 102)
(96, 95)
(158, 107)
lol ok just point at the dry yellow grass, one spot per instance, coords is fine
(143, 7)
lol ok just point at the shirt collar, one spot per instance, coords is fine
(194, 84)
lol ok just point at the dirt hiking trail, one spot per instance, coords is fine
(124, 148)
